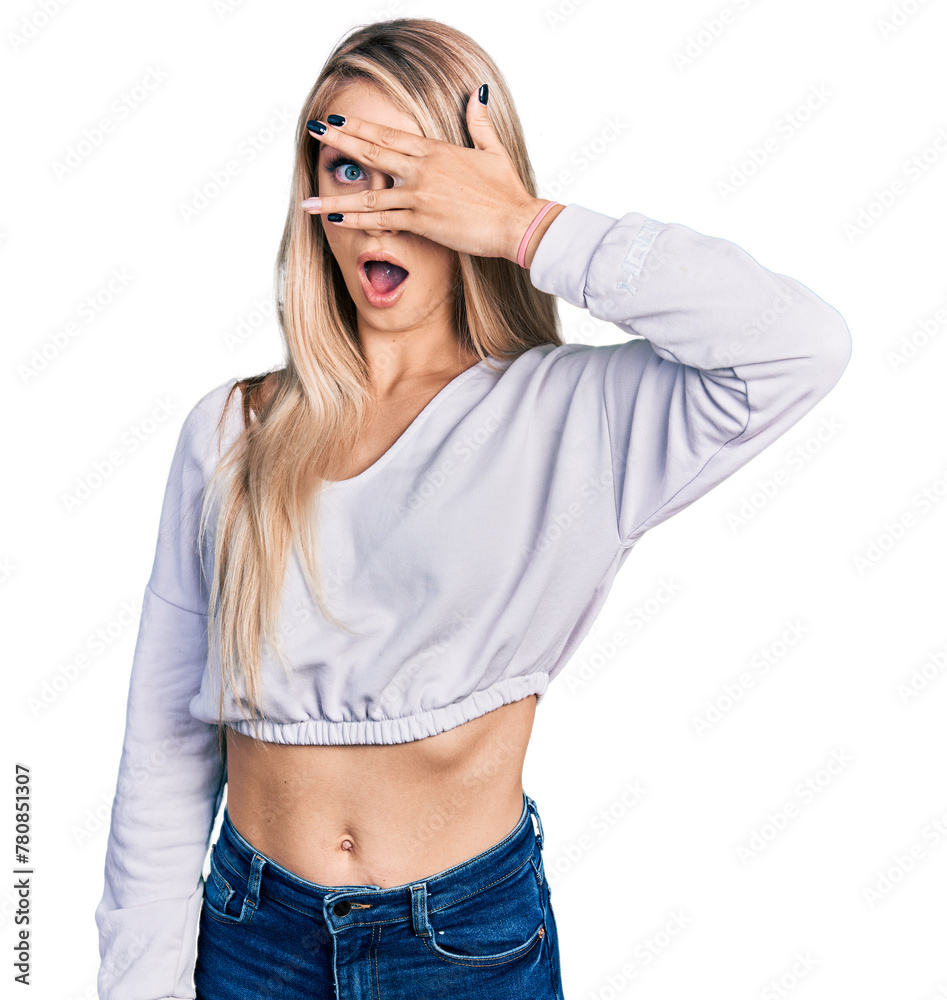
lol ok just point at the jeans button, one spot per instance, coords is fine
(342, 907)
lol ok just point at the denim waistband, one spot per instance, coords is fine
(363, 903)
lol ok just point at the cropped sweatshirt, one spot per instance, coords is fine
(471, 559)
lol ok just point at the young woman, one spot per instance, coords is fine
(373, 560)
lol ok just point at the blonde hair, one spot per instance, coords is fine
(301, 421)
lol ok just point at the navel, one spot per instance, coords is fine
(347, 845)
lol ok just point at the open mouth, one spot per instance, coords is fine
(383, 276)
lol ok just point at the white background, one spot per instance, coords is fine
(794, 918)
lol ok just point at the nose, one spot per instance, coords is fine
(380, 181)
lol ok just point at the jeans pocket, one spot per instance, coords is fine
(226, 894)
(498, 923)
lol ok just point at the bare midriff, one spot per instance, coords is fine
(381, 814)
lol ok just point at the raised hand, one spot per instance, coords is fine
(469, 200)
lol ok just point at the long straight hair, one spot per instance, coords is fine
(301, 421)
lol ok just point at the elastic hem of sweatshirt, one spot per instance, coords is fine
(405, 729)
(582, 230)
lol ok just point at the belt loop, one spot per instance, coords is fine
(535, 812)
(256, 877)
(419, 910)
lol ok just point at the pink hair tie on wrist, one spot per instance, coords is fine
(521, 255)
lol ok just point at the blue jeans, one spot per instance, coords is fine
(482, 930)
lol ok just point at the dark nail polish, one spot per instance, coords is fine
(314, 125)
(334, 217)
(483, 93)
(335, 120)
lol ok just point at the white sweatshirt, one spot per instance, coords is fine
(472, 558)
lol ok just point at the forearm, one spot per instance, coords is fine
(733, 354)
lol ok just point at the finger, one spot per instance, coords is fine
(377, 145)
(392, 220)
(480, 127)
(369, 200)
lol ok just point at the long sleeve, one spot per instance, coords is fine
(171, 776)
(733, 354)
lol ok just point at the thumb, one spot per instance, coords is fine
(479, 125)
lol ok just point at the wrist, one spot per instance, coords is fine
(524, 218)
(544, 223)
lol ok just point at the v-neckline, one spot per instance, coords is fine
(402, 439)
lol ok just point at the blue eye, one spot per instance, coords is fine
(340, 161)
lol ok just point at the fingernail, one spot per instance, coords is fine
(334, 217)
(483, 93)
(314, 125)
(311, 203)
(335, 120)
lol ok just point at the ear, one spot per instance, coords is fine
(479, 126)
